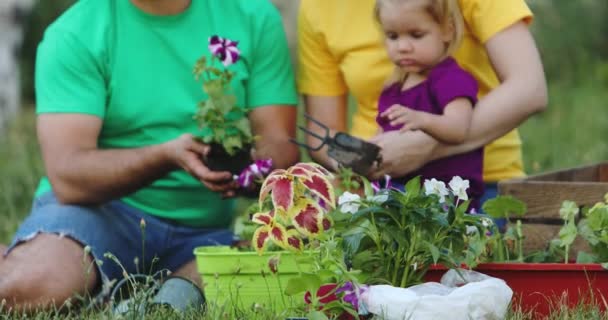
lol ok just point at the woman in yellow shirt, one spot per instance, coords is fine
(341, 52)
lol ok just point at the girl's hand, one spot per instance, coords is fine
(410, 119)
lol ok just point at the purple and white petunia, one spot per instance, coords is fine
(225, 49)
(387, 184)
(259, 169)
(352, 293)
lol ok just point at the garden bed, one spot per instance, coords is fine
(544, 194)
(540, 287)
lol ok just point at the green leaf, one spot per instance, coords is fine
(605, 265)
(317, 315)
(244, 127)
(584, 257)
(435, 253)
(412, 188)
(504, 206)
(568, 210)
(302, 283)
(232, 144)
(567, 234)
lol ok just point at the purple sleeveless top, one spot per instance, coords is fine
(445, 82)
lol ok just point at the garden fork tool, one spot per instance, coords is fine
(349, 151)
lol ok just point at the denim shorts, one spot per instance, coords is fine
(116, 228)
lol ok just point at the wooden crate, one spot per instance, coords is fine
(544, 194)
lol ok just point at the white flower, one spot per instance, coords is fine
(487, 222)
(378, 198)
(349, 202)
(459, 188)
(437, 187)
(471, 230)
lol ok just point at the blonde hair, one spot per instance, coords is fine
(445, 12)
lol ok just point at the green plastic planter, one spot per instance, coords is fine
(236, 278)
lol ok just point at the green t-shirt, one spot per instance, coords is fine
(109, 59)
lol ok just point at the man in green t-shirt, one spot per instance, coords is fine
(115, 100)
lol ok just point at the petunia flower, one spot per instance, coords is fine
(352, 293)
(459, 187)
(387, 184)
(225, 49)
(349, 202)
(259, 169)
(436, 187)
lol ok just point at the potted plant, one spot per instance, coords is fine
(223, 124)
(395, 236)
(548, 277)
(291, 213)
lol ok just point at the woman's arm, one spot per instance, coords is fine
(521, 93)
(331, 111)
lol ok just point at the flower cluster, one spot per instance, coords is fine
(255, 171)
(458, 187)
(293, 205)
(394, 236)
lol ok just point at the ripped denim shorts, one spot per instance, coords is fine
(115, 228)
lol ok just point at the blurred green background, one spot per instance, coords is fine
(572, 132)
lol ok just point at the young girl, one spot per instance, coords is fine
(428, 90)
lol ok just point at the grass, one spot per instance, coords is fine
(570, 133)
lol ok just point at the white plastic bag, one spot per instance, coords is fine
(477, 296)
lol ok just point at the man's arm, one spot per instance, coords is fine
(521, 93)
(275, 125)
(331, 111)
(80, 173)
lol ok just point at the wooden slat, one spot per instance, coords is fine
(544, 198)
(603, 173)
(588, 173)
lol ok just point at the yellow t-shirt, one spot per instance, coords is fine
(341, 51)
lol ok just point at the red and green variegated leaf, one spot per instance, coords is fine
(308, 218)
(300, 172)
(294, 242)
(321, 187)
(326, 223)
(282, 217)
(278, 234)
(282, 194)
(269, 183)
(260, 239)
(315, 168)
(265, 218)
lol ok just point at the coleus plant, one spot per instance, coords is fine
(293, 206)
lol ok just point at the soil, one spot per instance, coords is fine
(219, 160)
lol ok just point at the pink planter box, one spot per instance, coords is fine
(538, 286)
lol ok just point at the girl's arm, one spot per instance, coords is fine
(451, 127)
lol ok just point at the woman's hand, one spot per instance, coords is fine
(403, 152)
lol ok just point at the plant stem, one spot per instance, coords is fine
(408, 258)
